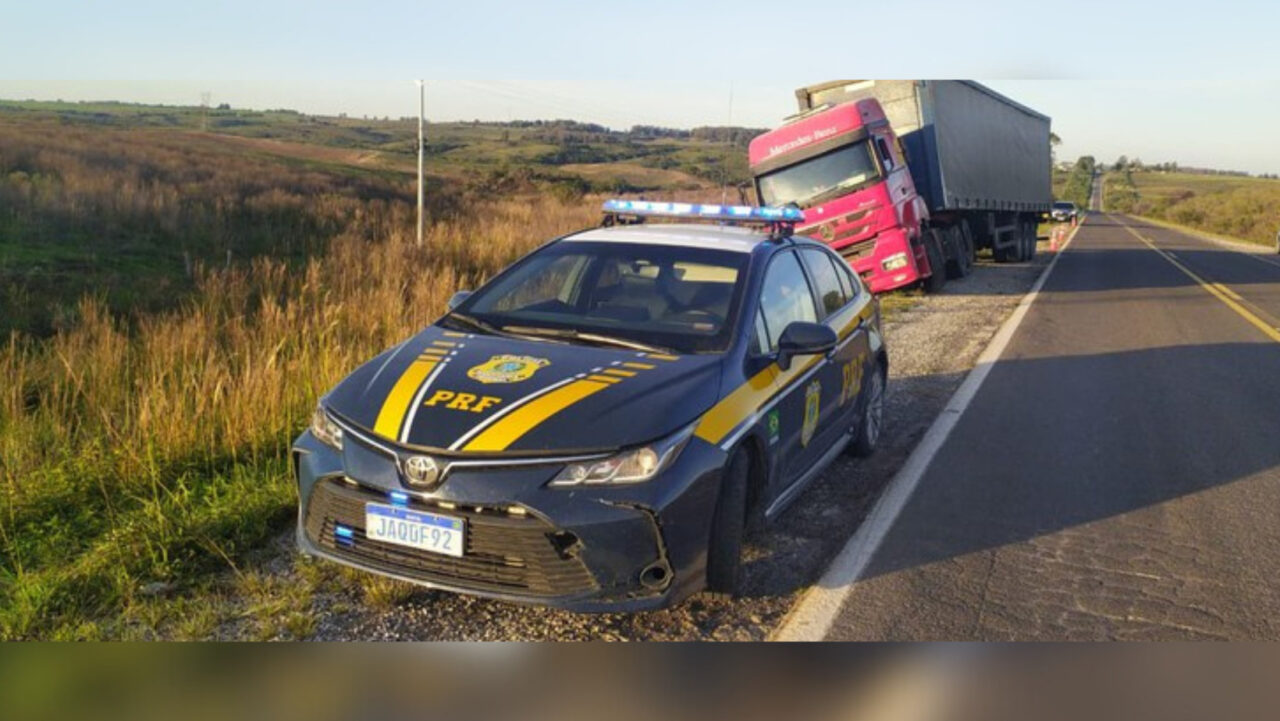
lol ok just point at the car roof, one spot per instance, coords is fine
(717, 237)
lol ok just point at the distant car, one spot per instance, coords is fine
(596, 426)
(1063, 211)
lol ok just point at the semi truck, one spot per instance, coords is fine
(908, 179)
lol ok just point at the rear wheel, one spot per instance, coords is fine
(1032, 229)
(937, 262)
(868, 438)
(728, 527)
(962, 264)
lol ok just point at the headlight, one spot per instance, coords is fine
(634, 466)
(324, 429)
(895, 261)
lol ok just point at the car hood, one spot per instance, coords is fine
(489, 394)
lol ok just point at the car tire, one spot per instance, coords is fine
(937, 262)
(872, 423)
(729, 527)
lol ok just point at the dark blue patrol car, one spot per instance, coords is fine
(597, 427)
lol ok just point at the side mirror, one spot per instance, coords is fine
(803, 338)
(458, 297)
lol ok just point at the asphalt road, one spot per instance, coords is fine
(1117, 476)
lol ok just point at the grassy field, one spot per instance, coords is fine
(1239, 207)
(708, 155)
(173, 302)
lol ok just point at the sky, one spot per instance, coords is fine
(1172, 80)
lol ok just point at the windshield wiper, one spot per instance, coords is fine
(588, 337)
(487, 327)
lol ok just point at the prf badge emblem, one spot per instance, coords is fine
(812, 397)
(507, 368)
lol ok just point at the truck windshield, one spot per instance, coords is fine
(820, 178)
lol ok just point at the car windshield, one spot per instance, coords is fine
(620, 294)
(820, 178)
(1062, 206)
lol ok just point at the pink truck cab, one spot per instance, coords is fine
(844, 168)
(908, 179)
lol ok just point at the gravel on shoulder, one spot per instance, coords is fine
(933, 342)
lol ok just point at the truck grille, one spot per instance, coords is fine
(857, 251)
(503, 553)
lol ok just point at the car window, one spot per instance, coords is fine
(677, 297)
(554, 282)
(785, 297)
(831, 296)
(848, 281)
(760, 335)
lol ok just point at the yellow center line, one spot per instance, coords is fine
(1216, 290)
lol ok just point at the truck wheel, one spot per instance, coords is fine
(868, 438)
(962, 264)
(728, 527)
(1030, 252)
(937, 262)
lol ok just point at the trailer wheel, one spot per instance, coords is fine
(937, 261)
(1030, 252)
(962, 264)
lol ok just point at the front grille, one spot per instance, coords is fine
(503, 553)
(855, 252)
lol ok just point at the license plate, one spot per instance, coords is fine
(415, 529)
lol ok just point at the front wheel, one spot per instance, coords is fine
(937, 262)
(728, 527)
(868, 438)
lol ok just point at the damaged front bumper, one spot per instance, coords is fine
(587, 548)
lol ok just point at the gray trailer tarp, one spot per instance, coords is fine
(969, 148)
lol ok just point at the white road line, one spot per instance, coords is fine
(1250, 250)
(812, 616)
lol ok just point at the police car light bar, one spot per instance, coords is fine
(780, 221)
(691, 211)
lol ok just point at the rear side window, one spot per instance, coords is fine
(848, 281)
(786, 297)
(831, 294)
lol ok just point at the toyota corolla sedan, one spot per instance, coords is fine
(598, 426)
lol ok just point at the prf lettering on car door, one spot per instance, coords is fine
(851, 375)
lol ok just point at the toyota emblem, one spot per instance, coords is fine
(421, 470)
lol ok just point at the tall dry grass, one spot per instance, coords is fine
(143, 456)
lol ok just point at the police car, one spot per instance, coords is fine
(597, 427)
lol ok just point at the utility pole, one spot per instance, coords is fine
(205, 97)
(422, 111)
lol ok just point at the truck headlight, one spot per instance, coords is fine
(894, 262)
(324, 429)
(634, 466)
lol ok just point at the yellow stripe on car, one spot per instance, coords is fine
(527, 417)
(742, 402)
(616, 372)
(639, 366)
(603, 379)
(747, 398)
(397, 402)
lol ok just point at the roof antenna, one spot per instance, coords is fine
(724, 162)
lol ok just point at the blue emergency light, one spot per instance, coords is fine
(729, 213)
